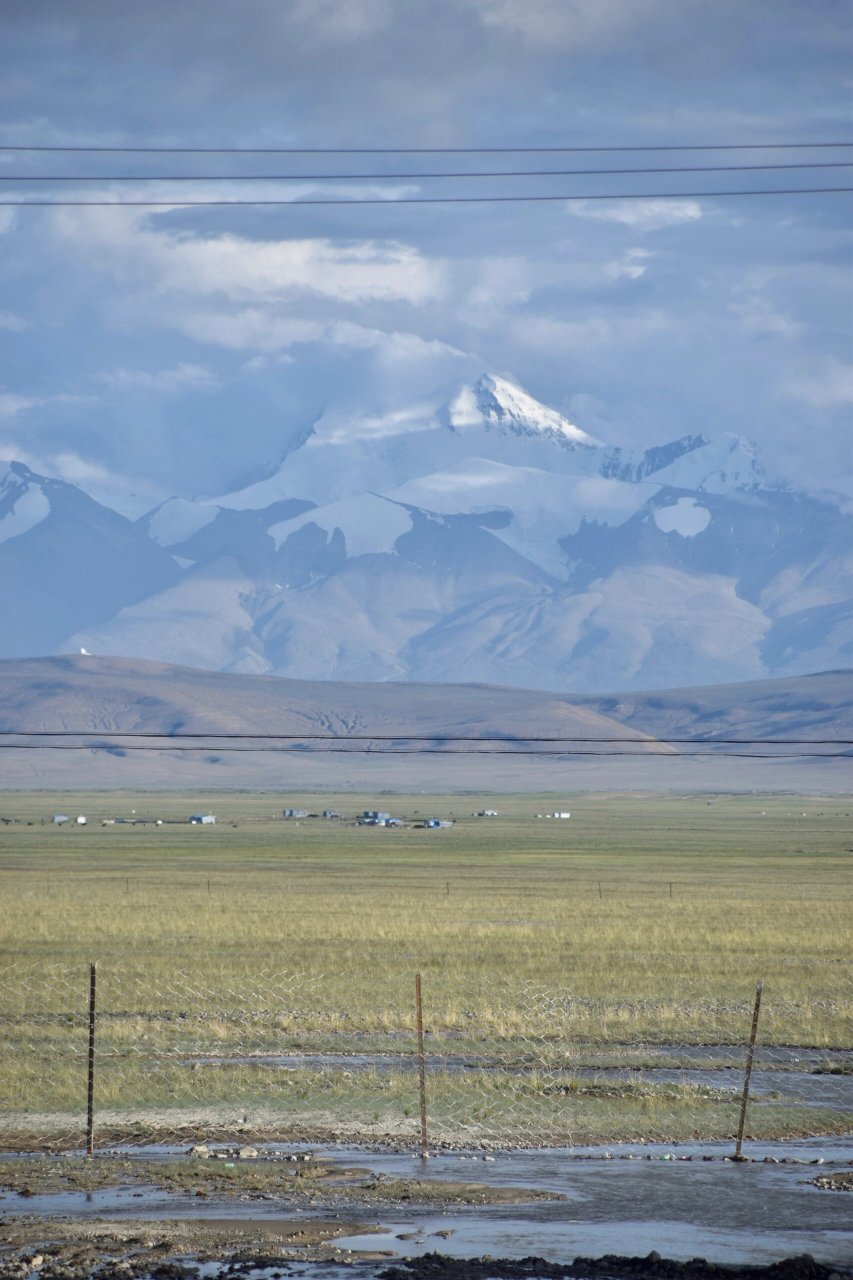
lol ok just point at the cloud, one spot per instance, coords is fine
(339, 426)
(185, 377)
(12, 405)
(252, 329)
(758, 315)
(261, 330)
(832, 388)
(641, 215)
(130, 496)
(241, 269)
(631, 266)
(567, 24)
(13, 323)
(550, 334)
(339, 21)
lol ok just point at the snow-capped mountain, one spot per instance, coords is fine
(489, 539)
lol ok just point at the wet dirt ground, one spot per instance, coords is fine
(370, 1210)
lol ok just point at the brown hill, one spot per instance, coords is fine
(104, 695)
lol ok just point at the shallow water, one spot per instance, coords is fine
(627, 1199)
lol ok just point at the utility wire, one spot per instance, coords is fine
(399, 177)
(398, 151)
(415, 737)
(179, 202)
(431, 751)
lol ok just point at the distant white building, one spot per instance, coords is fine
(294, 813)
(487, 813)
(59, 818)
(377, 818)
(203, 819)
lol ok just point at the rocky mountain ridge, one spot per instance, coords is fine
(488, 540)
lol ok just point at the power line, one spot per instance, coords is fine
(209, 734)
(178, 202)
(398, 151)
(399, 177)
(432, 751)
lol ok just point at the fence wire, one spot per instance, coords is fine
(334, 1057)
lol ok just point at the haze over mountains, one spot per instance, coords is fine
(490, 540)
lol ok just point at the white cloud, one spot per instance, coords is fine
(122, 493)
(13, 323)
(830, 389)
(252, 329)
(561, 335)
(758, 315)
(11, 405)
(126, 494)
(641, 215)
(259, 329)
(501, 282)
(244, 270)
(339, 21)
(393, 346)
(631, 266)
(337, 426)
(566, 24)
(184, 377)
(11, 451)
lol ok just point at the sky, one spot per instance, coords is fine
(148, 352)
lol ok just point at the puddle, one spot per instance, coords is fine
(790, 1087)
(690, 1057)
(626, 1199)
(732, 1055)
(562, 1241)
(739, 1213)
(125, 1202)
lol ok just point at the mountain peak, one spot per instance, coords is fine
(500, 405)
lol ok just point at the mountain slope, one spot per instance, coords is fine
(100, 695)
(66, 561)
(811, 706)
(486, 539)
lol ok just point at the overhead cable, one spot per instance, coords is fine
(403, 735)
(392, 202)
(398, 151)
(366, 749)
(399, 177)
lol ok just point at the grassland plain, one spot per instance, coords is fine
(642, 921)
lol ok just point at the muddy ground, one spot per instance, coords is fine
(321, 1202)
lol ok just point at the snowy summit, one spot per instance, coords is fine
(495, 403)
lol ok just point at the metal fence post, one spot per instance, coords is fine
(90, 1093)
(750, 1054)
(419, 1010)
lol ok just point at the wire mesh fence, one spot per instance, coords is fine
(336, 1057)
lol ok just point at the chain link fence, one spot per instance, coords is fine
(336, 1057)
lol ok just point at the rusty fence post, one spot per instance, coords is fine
(419, 1011)
(90, 1092)
(750, 1054)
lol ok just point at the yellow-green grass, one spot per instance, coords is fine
(642, 919)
